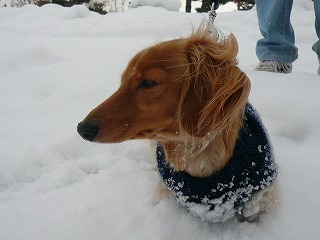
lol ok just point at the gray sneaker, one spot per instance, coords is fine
(274, 66)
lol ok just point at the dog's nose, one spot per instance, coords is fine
(88, 130)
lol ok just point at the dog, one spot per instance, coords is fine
(190, 97)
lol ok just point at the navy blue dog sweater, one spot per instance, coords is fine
(219, 197)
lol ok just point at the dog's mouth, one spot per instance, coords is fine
(91, 131)
(144, 134)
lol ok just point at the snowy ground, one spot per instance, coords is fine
(58, 63)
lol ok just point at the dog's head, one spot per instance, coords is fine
(190, 86)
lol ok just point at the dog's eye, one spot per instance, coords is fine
(147, 84)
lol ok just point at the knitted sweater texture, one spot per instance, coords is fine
(219, 197)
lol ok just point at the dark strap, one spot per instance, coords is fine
(216, 4)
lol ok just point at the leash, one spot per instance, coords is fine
(212, 16)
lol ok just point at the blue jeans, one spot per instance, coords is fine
(278, 42)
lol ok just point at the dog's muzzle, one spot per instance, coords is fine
(88, 130)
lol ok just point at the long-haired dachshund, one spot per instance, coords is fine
(189, 96)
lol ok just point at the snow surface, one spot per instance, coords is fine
(172, 5)
(56, 64)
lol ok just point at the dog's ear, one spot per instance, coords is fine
(215, 92)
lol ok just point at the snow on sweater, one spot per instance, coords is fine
(219, 197)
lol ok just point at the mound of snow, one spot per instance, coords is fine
(172, 5)
(57, 63)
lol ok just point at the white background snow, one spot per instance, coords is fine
(173, 5)
(56, 64)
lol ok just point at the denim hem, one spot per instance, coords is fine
(277, 58)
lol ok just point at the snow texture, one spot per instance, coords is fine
(172, 5)
(56, 64)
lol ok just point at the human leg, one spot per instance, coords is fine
(278, 39)
(316, 46)
(274, 66)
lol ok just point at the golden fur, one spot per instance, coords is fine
(195, 110)
(187, 94)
